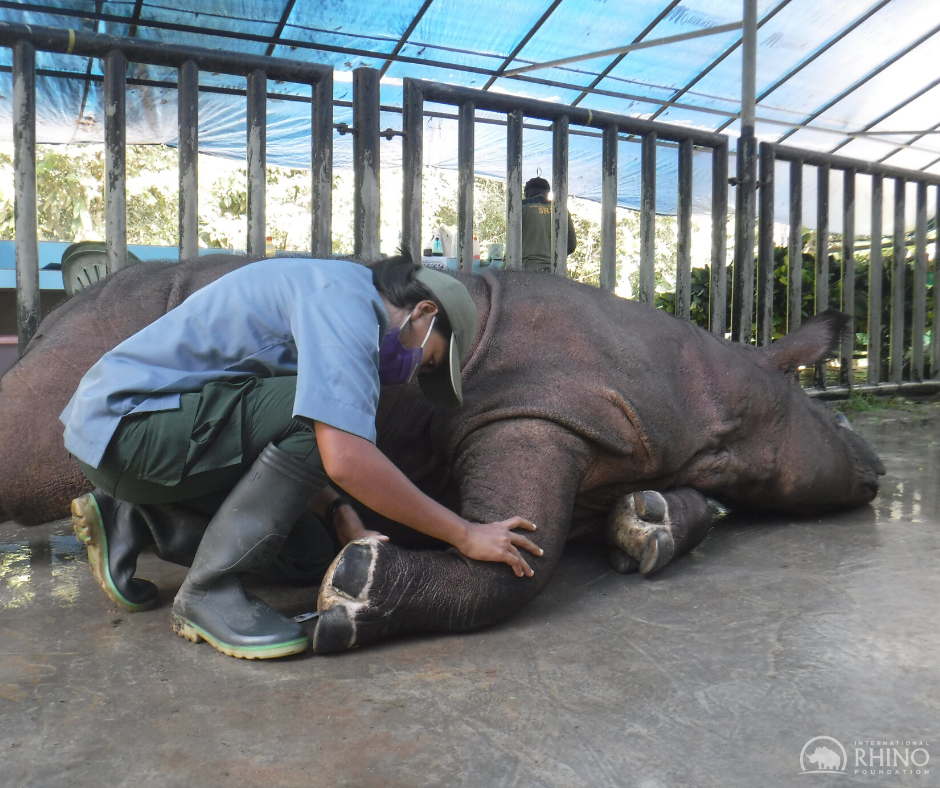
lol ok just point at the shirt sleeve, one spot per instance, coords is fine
(336, 331)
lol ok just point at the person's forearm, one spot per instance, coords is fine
(371, 478)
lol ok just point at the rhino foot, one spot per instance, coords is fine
(638, 526)
(344, 596)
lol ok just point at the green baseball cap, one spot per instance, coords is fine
(442, 386)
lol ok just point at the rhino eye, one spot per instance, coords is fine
(844, 422)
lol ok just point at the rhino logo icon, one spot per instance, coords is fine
(824, 753)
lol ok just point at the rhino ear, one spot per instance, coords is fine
(818, 338)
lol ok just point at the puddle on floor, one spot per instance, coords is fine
(50, 565)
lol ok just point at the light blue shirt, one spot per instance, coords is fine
(321, 320)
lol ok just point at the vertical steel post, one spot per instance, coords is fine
(115, 160)
(935, 333)
(560, 196)
(608, 278)
(765, 247)
(742, 296)
(875, 274)
(684, 233)
(257, 138)
(512, 258)
(795, 250)
(896, 359)
(366, 197)
(28, 310)
(647, 287)
(466, 117)
(822, 255)
(321, 169)
(187, 99)
(919, 316)
(412, 163)
(848, 276)
(718, 286)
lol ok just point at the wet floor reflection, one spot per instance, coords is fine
(42, 566)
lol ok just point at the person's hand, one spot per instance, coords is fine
(498, 542)
(349, 527)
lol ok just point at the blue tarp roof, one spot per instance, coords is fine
(830, 75)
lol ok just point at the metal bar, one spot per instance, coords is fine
(822, 50)
(795, 251)
(616, 61)
(848, 277)
(321, 169)
(560, 197)
(716, 62)
(742, 295)
(525, 40)
(919, 315)
(366, 196)
(158, 53)
(647, 288)
(879, 389)
(28, 311)
(135, 16)
(608, 277)
(875, 274)
(765, 248)
(513, 254)
(935, 333)
(822, 256)
(546, 110)
(188, 152)
(910, 143)
(412, 163)
(280, 27)
(465, 129)
(896, 362)
(708, 31)
(684, 233)
(257, 111)
(115, 169)
(718, 286)
(864, 80)
(401, 41)
(816, 158)
(749, 67)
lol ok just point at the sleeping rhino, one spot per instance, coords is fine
(583, 412)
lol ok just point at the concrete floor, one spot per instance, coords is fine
(715, 673)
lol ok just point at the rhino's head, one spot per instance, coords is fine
(821, 463)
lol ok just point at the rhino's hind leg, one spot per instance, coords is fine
(647, 529)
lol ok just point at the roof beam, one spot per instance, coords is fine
(910, 143)
(718, 60)
(616, 61)
(708, 31)
(865, 130)
(404, 38)
(525, 40)
(280, 27)
(818, 53)
(135, 17)
(867, 78)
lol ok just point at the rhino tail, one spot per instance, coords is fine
(817, 339)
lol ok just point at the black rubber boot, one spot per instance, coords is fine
(116, 532)
(245, 534)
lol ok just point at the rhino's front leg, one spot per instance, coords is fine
(374, 590)
(648, 529)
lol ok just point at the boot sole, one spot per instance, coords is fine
(86, 522)
(195, 634)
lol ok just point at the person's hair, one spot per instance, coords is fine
(536, 186)
(394, 278)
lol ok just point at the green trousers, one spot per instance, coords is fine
(196, 454)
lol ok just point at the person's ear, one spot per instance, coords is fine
(425, 307)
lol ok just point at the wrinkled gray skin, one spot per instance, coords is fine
(574, 399)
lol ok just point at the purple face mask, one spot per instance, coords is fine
(397, 363)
